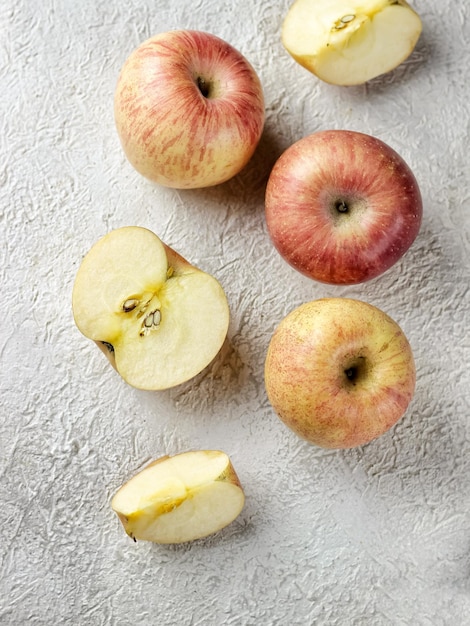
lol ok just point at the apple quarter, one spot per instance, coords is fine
(348, 42)
(180, 498)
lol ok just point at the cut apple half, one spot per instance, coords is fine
(180, 498)
(348, 42)
(159, 319)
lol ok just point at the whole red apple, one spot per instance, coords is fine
(342, 207)
(339, 372)
(189, 109)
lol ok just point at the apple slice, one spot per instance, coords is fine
(159, 320)
(348, 42)
(180, 498)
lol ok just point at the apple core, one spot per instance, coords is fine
(159, 320)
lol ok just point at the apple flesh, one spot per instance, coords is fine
(339, 372)
(180, 498)
(189, 109)
(348, 42)
(342, 207)
(159, 320)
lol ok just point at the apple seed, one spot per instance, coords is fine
(151, 321)
(130, 304)
(344, 21)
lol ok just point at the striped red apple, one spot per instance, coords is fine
(342, 207)
(189, 109)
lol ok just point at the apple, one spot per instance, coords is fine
(348, 42)
(189, 109)
(339, 372)
(342, 207)
(180, 498)
(159, 320)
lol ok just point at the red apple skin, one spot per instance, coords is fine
(170, 131)
(330, 170)
(309, 358)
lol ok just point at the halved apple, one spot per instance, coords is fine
(159, 320)
(348, 42)
(180, 498)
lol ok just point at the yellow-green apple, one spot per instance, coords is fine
(180, 498)
(342, 207)
(159, 319)
(348, 42)
(339, 372)
(189, 109)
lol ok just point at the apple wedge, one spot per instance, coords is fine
(180, 498)
(348, 42)
(159, 320)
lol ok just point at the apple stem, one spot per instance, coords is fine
(352, 375)
(341, 206)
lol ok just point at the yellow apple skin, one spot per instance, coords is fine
(339, 372)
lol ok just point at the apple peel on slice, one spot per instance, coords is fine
(348, 42)
(180, 498)
(159, 319)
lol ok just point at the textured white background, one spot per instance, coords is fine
(379, 535)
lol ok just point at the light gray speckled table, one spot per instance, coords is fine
(374, 536)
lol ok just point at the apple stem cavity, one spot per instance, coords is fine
(351, 374)
(203, 86)
(356, 370)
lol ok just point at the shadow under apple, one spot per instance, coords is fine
(247, 188)
(221, 381)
